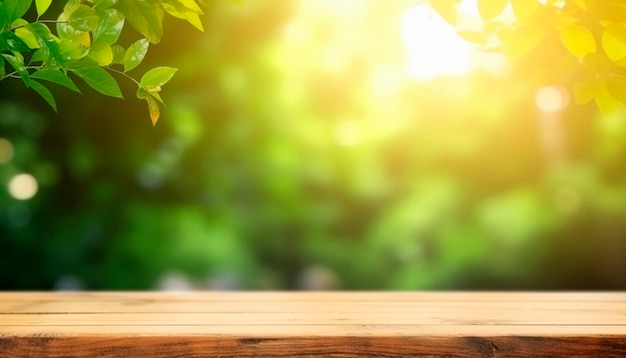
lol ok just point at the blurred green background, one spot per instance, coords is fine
(299, 151)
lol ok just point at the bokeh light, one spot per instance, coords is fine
(23, 186)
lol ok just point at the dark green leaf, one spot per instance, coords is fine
(16, 8)
(17, 62)
(9, 41)
(144, 16)
(4, 18)
(157, 77)
(100, 80)
(2, 70)
(55, 76)
(84, 18)
(44, 92)
(135, 54)
(109, 27)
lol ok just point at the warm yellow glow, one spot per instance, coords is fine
(551, 99)
(6, 151)
(23, 186)
(433, 46)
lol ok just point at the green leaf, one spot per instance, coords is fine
(104, 4)
(84, 18)
(17, 62)
(144, 16)
(2, 70)
(42, 6)
(614, 41)
(135, 54)
(4, 18)
(100, 80)
(489, 9)
(44, 92)
(578, 40)
(9, 41)
(55, 76)
(118, 54)
(157, 77)
(48, 44)
(109, 27)
(16, 8)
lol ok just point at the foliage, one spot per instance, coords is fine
(584, 38)
(83, 40)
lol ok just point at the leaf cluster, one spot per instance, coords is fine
(591, 32)
(83, 42)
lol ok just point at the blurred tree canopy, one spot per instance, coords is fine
(297, 148)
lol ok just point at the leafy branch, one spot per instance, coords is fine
(83, 42)
(588, 35)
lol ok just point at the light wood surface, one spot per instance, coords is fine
(312, 324)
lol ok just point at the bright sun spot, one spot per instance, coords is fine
(434, 48)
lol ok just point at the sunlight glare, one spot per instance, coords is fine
(434, 48)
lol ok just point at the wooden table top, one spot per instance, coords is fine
(312, 324)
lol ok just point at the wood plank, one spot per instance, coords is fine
(296, 324)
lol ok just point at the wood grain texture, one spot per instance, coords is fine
(313, 324)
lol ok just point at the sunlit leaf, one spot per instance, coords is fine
(84, 18)
(42, 6)
(118, 54)
(585, 90)
(109, 27)
(617, 88)
(489, 9)
(445, 8)
(44, 92)
(578, 40)
(55, 76)
(104, 4)
(100, 80)
(524, 9)
(476, 37)
(145, 16)
(135, 54)
(101, 53)
(614, 41)
(153, 108)
(605, 101)
(520, 41)
(157, 77)
(25, 34)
